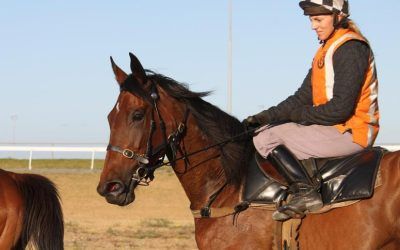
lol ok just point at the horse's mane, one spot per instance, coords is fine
(217, 125)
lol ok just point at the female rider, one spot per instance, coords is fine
(334, 112)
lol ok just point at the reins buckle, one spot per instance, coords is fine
(128, 153)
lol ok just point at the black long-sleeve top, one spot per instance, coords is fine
(350, 63)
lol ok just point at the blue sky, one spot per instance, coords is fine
(55, 75)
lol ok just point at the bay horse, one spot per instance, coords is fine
(30, 212)
(156, 116)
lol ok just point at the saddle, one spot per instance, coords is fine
(343, 178)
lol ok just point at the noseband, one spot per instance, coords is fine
(153, 158)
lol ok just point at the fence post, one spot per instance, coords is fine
(92, 165)
(30, 160)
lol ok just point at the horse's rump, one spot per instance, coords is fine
(43, 222)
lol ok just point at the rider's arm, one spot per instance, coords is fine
(350, 63)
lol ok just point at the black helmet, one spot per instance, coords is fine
(325, 7)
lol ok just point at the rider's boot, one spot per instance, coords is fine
(305, 196)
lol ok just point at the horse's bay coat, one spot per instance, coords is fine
(368, 224)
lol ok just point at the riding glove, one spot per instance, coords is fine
(251, 123)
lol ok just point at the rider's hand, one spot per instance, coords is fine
(251, 123)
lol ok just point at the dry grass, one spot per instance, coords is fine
(159, 218)
(51, 164)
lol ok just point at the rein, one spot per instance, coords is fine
(231, 139)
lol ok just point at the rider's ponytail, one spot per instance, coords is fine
(350, 24)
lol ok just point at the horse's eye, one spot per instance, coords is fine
(137, 116)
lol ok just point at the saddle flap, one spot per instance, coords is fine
(350, 178)
(259, 186)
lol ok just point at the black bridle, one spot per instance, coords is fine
(155, 158)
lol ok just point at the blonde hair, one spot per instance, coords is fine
(353, 27)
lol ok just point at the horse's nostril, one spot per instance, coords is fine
(112, 187)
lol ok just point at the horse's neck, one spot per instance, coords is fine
(203, 174)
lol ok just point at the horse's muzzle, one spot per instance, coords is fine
(116, 192)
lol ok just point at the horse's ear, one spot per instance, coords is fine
(137, 69)
(120, 75)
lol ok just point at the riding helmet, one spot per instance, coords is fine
(325, 7)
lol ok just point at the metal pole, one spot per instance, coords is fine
(229, 108)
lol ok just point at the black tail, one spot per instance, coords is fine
(43, 224)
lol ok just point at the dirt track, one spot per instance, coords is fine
(159, 218)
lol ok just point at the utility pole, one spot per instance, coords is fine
(229, 108)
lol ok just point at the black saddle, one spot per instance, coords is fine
(343, 179)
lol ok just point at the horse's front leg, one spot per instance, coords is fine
(251, 229)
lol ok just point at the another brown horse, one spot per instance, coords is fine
(150, 102)
(30, 212)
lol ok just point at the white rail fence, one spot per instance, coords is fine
(93, 150)
(30, 149)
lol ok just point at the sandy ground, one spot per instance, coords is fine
(159, 218)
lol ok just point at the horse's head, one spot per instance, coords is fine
(156, 116)
(138, 136)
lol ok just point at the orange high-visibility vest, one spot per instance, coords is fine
(364, 123)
